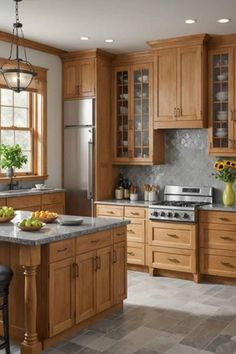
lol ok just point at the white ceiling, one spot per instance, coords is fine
(61, 23)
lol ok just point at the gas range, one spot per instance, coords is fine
(180, 203)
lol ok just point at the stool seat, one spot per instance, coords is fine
(5, 280)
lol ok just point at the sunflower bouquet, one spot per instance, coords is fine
(226, 170)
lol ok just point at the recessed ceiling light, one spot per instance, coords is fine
(224, 20)
(190, 21)
(109, 40)
(84, 38)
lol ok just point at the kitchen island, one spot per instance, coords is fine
(64, 277)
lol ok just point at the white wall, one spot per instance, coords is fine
(54, 107)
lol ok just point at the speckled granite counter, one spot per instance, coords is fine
(218, 207)
(9, 232)
(32, 191)
(138, 203)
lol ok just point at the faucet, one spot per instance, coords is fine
(12, 184)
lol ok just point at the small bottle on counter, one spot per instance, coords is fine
(126, 188)
(119, 191)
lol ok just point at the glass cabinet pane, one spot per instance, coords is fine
(220, 105)
(141, 113)
(122, 110)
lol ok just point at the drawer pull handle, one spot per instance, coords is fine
(131, 231)
(174, 260)
(94, 241)
(131, 253)
(224, 219)
(110, 212)
(120, 234)
(62, 249)
(95, 263)
(75, 270)
(226, 238)
(114, 256)
(227, 264)
(173, 235)
(134, 213)
(98, 262)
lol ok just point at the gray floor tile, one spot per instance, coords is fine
(70, 348)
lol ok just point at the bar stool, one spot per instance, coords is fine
(5, 280)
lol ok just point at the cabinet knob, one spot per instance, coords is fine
(175, 112)
(232, 111)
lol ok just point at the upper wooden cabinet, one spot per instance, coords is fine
(135, 142)
(179, 82)
(79, 78)
(222, 102)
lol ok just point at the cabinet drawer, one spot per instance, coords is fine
(135, 253)
(93, 241)
(120, 234)
(172, 235)
(53, 198)
(61, 250)
(218, 217)
(218, 262)
(56, 208)
(24, 202)
(135, 212)
(3, 201)
(109, 210)
(217, 236)
(136, 230)
(173, 259)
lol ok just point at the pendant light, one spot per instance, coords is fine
(17, 72)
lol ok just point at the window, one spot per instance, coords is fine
(23, 121)
(16, 124)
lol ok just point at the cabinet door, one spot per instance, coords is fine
(104, 278)
(165, 86)
(71, 80)
(122, 123)
(86, 286)
(86, 75)
(141, 111)
(56, 208)
(120, 272)
(189, 79)
(61, 296)
(221, 103)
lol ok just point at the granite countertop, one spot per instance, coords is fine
(52, 232)
(32, 191)
(218, 207)
(125, 202)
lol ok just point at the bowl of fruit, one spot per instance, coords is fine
(30, 224)
(6, 214)
(45, 216)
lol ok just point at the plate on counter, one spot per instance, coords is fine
(70, 220)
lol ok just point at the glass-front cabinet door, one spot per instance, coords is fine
(133, 131)
(141, 112)
(221, 103)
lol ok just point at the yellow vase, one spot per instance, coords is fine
(228, 194)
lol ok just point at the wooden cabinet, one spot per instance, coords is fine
(222, 102)
(173, 246)
(217, 234)
(135, 142)
(179, 85)
(61, 296)
(136, 230)
(87, 275)
(79, 78)
(48, 201)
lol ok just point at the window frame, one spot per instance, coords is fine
(38, 127)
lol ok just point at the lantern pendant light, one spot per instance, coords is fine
(18, 73)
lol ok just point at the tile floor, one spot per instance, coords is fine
(162, 315)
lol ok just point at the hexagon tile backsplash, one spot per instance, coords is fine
(187, 163)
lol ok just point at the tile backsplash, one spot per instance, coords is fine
(186, 163)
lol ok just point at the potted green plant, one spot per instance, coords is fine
(11, 156)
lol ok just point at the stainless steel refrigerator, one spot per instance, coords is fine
(79, 133)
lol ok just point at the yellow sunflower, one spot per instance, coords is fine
(233, 164)
(219, 165)
(227, 163)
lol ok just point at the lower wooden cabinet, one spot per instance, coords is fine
(135, 253)
(91, 281)
(217, 234)
(61, 296)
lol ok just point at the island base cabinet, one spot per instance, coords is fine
(61, 296)
(120, 272)
(85, 286)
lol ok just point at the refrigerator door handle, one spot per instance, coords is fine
(90, 170)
